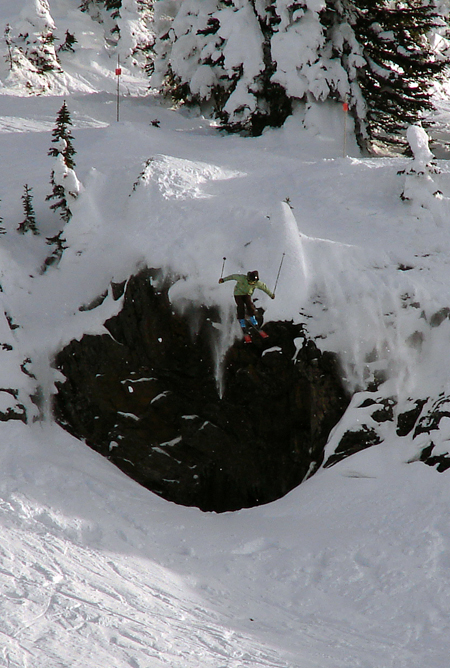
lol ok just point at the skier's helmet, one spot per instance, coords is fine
(252, 276)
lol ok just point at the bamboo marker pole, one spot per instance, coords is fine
(345, 108)
(118, 73)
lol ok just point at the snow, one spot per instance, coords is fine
(349, 569)
(418, 141)
(294, 49)
(65, 177)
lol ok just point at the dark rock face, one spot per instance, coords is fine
(423, 420)
(353, 442)
(374, 412)
(429, 425)
(146, 398)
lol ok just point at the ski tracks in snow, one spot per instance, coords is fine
(14, 124)
(65, 604)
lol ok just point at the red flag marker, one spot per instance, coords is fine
(345, 106)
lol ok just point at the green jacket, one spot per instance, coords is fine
(243, 287)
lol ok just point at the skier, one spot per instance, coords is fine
(245, 286)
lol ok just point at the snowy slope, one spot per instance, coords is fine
(351, 568)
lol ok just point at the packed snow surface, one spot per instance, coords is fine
(351, 569)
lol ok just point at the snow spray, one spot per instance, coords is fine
(350, 309)
(294, 239)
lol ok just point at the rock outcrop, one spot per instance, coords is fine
(146, 397)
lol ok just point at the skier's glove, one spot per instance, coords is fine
(220, 280)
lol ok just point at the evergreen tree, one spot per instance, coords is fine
(128, 23)
(105, 12)
(68, 43)
(185, 48)
(29, 222)
(307, 64)
(65, 185)
(135, 25)
(58, 243)
(299, 48)
(111, 5)
(62, 132)
(65, 189)
(374, 54)
(399, 66)
(441, 35)
(217, 54)
(9, 45)
(256, 98)
(91, 7)
(247, 61)
(114, 7)
(36, 38)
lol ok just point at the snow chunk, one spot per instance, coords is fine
(130, 416)
(418, 141)
(171, 443)
(420, 187)
(274, 349)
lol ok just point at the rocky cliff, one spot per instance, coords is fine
(146, 397)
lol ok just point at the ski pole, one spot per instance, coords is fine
(279, 270)
(223, 267)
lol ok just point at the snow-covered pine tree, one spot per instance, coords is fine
(188, 58)
(400, 67)
(105, 12)
(128, 26)
(62, 131)
(135, 24)
(9, 45)
(111, 5)
(247, 60)
(216, 53)
(36, 37)
(346, 59)
(373, 54)
(297, 47)
(64, 182)
(59, 192)
(421, 191)
(91, 7)
(29, 222)
(310, 41)
(58, 242)
(442, 30)
(69, 42)
(256, 98)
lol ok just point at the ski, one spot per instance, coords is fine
(250, 328)
(261, 332)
